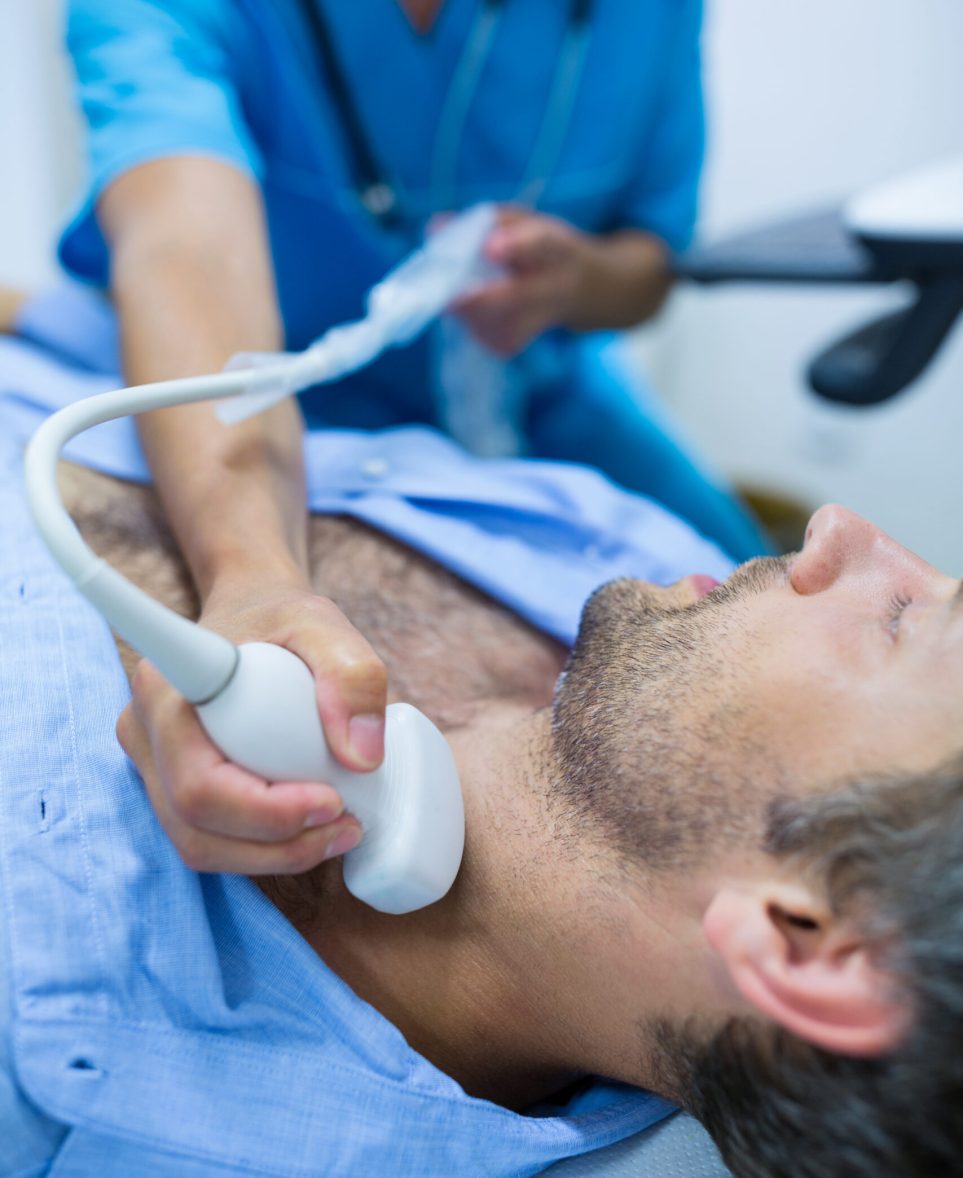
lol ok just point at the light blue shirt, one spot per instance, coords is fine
(167, 1023)
(240, 80)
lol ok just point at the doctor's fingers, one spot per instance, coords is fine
(351, 683)
(506, 315)
(531, 243)
(203, 851)
(188, 777)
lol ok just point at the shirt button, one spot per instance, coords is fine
(374, 468)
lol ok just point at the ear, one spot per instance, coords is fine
(794, 962)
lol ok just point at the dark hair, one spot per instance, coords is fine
(889, 855)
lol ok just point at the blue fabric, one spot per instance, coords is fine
(28, 1138)
(617, 426)
(175, 1024)
(239, 80)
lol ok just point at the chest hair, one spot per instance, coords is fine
(448, 647)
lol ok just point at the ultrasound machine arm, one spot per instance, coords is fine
(909, 229)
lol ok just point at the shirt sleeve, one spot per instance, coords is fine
(663, 197)
(152, 80)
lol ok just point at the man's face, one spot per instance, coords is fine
(844, 659)
(686, 713)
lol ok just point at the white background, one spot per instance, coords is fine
(808, 101)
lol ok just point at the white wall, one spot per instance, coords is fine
(809, 100)
(39, 147)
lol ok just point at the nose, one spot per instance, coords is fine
(840, 543)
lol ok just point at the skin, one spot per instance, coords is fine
(888, 676)
(11, 301)
(421, 14)
(557, 276)
(549, 959)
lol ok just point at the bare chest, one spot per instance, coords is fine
(447, 646)
(449, 649)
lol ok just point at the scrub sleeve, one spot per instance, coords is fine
(154, 81)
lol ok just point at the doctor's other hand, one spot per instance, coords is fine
(221, 817)
(545, 262)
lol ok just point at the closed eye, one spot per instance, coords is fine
(897, 605)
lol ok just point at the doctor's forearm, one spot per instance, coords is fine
(234, 496)
(624, 281)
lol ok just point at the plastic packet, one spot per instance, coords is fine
(448, 266)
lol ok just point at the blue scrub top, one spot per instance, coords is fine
(240, 80)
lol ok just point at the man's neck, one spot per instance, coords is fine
(457, 978)
(499, 983)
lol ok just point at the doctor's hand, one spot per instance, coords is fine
(221, 817)
(557, 276)
(545, 261)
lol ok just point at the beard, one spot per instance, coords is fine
(649, 747)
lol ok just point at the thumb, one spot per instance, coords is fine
(352, 690)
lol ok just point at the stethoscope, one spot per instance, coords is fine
(377, 192)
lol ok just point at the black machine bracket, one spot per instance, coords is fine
(878, 360)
